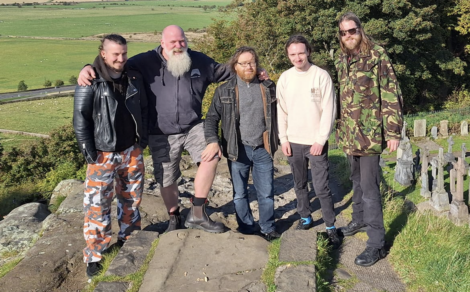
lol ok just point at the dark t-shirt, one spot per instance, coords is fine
(124, 124)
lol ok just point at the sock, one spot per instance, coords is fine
(176, 212)
(199, 201)
(307, 220)
(332, 227)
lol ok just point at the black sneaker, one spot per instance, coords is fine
(174, 223)
(370, 256)
(120, 242)
(333, 238)
(353, 228)
(271, 235)
(302, 225)
(93, 269)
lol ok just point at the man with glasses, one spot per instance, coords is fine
(247, 108)
(370, 121)
(306, 111)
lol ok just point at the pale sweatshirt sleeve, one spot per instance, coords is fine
(281, 109)
(328, 105)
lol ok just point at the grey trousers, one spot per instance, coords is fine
(320, 178)
(367, 201)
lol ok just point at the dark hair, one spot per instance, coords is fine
(366, 43)
(118, 39)
(299, 39)
(234, 59)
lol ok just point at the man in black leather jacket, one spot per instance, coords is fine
(247, 109)
(110, 122)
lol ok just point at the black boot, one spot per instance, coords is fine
(198, 219)
(353, 228)
(175, 221)
(370, 256)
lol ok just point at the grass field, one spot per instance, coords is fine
(35, 60)
(83, 20)
(38, 116)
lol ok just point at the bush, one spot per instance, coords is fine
(22, 86)
(32, 163)
(73, 80)
(58, 83)
(47, 83)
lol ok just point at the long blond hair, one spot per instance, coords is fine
(366, 43)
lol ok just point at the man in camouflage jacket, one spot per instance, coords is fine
(370, 120)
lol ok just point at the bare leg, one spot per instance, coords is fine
(204, 178)
(170, 196)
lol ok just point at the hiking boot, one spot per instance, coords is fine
(198, 219)
(333, 238)
(353, 228)
(271, 235)
(174, 223)
(303, 225)
(93, 269)
(370, 256)
(120, 242)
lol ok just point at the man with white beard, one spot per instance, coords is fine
(176, 79)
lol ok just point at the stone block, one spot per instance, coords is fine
(434, 132)
(112, 287)
(464, 128)
(299, 278)
(419, 129)
(132, 254)
(458, 213)
(298, 246)
(444, 128)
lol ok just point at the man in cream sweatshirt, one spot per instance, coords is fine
(306, 112)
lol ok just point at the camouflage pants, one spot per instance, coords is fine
(128, 169)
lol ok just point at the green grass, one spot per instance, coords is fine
(428, 260)
(37, 60)
(38, 116)
(34, 60)
(88, 19)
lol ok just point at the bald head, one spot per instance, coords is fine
(173, 39)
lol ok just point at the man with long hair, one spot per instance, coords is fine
(370, 120)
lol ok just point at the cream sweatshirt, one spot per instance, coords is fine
(306, 106)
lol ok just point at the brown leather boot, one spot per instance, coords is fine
(198, 219)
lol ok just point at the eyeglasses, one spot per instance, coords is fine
(244, 65)
(351, 31)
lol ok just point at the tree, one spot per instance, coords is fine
(419, 36)
(73, 80)
(22, 86)
(47, 83)
(58, 83)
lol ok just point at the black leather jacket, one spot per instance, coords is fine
(224, 108)
(94, 115)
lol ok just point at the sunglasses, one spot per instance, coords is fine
(351, 31)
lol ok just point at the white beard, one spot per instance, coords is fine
(178, 64)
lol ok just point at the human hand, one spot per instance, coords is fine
(262, 74)
(393, 145)
(316, 149)
(210, 152)
(286, 148)
(86, 74)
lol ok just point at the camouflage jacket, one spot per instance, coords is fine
(370, 103)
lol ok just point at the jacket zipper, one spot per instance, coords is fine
(125, 103)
